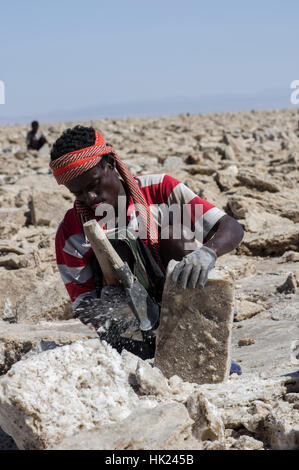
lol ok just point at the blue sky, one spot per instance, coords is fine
(70, 54)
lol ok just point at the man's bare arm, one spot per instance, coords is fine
(225, 236)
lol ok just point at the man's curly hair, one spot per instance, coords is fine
(73, 139)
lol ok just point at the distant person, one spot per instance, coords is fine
(35, 139)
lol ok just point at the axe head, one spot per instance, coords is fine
(143, 306)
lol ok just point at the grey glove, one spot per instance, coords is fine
(194, 268)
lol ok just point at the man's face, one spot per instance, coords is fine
(98, 185)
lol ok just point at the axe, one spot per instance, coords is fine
(117, 273)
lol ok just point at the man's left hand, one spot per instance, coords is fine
(194, 268)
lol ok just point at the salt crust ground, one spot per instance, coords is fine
(245, 163)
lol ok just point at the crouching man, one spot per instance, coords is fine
(97, 177)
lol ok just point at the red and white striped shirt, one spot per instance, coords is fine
(73, 253)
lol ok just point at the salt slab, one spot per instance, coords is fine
(194, 335)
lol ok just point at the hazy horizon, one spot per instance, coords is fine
(160, 107)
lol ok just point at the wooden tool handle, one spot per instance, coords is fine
(108, 258)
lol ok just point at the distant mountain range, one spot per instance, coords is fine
(266, 100)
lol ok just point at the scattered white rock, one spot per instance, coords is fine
(64, 390)
(246, 309)
(165, 427)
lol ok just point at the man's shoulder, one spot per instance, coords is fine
(156, 188)
(156, 179)
(69, 225)
(149, 180)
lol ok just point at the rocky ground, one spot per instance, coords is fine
(246, 164)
